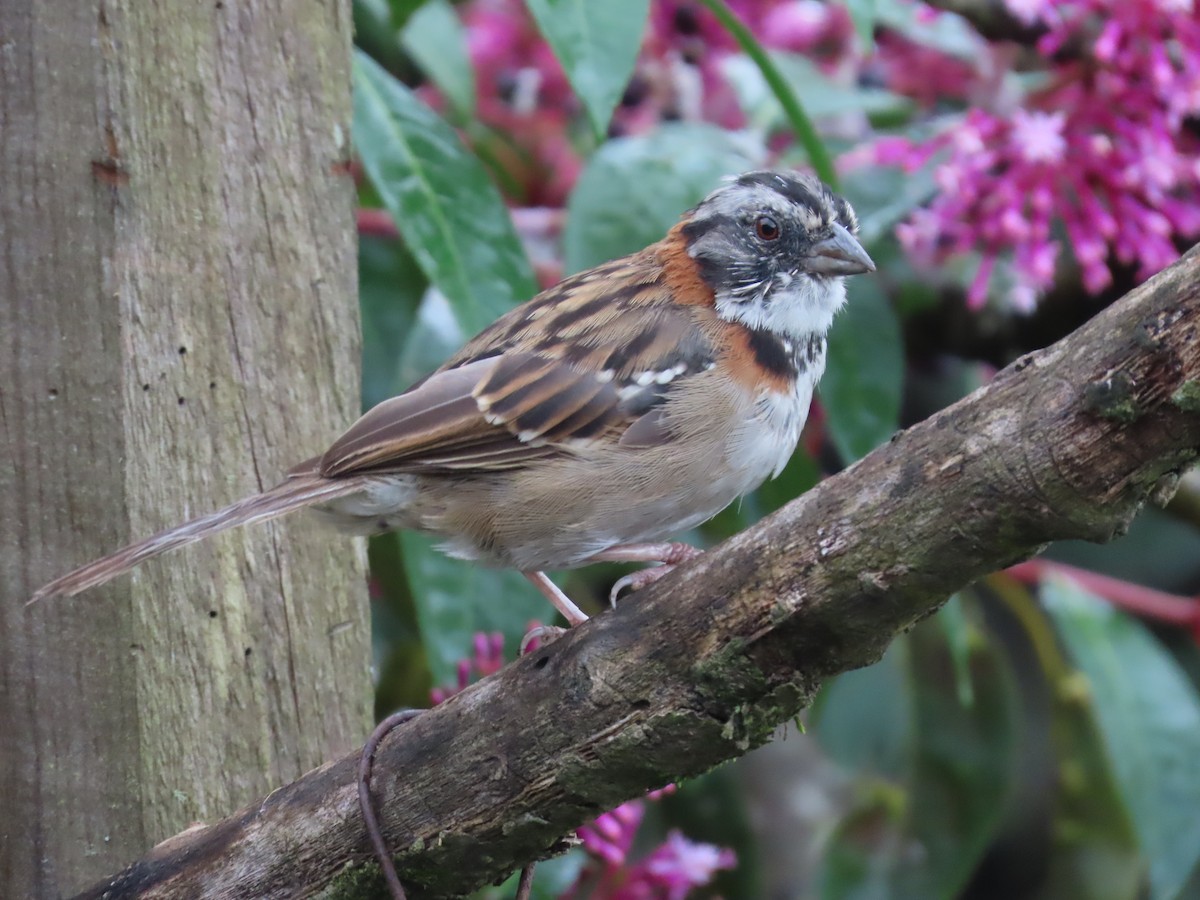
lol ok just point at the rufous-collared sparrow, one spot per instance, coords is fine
(625, 404)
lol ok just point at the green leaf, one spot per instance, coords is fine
(597, 44)
(864, 719)
(882, 197)
(390, 285)
(800, 474)
(390, 13)
(456, 598)
(402, 669)
(451, 216)
(797, 116)
(946, 32)
(862, 849)
(862, 12)
(402, 10)
(959, 635)
(555, 876)
(1092, 851)
(923, 840)
(433, 337)
(821, 96)
(963, 764)
(373, 13)
(634, 189)
(1149, 716)
(863, 380)
(552, 879)
(375, 33)
(436, 40)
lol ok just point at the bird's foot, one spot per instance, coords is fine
(669, 554)
(539, 636)
(635, 581)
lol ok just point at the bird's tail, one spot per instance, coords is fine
(295, 493)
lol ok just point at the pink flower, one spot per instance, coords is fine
(924, 73)
(668, 873)
(610, 835)
(798, 26)
(1030, 12)
(1038, 135)
(487, 659)
(680, 865)
(1098, 152)
(531, 112)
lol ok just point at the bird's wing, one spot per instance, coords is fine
(579, 362)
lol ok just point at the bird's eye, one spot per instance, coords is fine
(766, 228)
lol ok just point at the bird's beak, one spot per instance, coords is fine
(839, 254)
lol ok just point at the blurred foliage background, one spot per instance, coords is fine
(1016, 165)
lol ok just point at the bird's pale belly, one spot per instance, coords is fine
(563, 512)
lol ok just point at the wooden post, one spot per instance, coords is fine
(178, 325)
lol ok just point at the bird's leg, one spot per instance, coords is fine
(668, 553)
(572, 613)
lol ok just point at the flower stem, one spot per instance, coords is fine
(1134, 598)
(802, 125)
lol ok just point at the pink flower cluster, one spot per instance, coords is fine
(488, 658)
(1098, 155)
(925, 73)
(686, 45)
(669, 872)
(1099, 151)
(525, 98)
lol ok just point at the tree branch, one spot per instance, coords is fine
(1068, 442)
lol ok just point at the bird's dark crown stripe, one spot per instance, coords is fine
(791, 188)
(845, 215)
(697, 228)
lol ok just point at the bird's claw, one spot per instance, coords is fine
(635, 581)
(539, 636)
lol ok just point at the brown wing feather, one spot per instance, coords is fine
(590, 356)
(546, 401)
(401, 434)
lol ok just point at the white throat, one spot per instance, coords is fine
(794, 306)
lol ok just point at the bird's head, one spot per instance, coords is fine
(774, 248)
